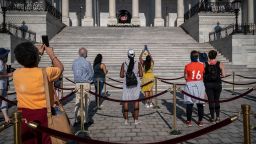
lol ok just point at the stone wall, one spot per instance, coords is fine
(203, 23)
(241, 46)
(192, 27)
(240, 49)
(224, 46)
(42, 23)
(10, 42)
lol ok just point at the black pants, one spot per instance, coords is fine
(200, 111)
(213, 91)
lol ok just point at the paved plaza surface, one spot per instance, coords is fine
(156, 124)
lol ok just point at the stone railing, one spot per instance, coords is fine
(123, 25)
(214, 7)
(231, 29)
(39, 5)
(21, 32)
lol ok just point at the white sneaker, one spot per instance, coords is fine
(147, 105)
(136, 122)
(151, 105)
(126, 122)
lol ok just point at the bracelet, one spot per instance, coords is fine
(54, 58)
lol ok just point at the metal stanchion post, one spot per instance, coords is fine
(156, 102)
(246, 123)
(98, 90)
(17, 128)
(233, 86)
(174, 122)
(82, 111)
(86, 106)
(62, 85)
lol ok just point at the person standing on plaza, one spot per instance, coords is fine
(148, 76)
(214, 70)
(4, 75)
(100, 71)
(131, 71)
(83, 75)
(29, 86)
(193, 73)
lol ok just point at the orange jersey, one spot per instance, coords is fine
(194, 71)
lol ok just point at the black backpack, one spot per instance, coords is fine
(131, 79)
(212, 72)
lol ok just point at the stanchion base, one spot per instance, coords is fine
(175, 132)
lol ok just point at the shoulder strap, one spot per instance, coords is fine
(46, 89)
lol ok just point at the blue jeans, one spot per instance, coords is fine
(101, 85)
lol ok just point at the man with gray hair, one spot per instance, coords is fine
(83, 75)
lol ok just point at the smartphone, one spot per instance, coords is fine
(145, 47)
(45, 40)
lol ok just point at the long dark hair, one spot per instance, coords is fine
(131, 64)
(147, 63)
(97, 60)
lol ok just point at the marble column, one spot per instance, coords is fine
(135, 12)
(88, 19)
(250, 11)
(112, 12)
(65, 12)
(180, 12)
(158, 21)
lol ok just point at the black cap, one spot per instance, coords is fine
(4, 52)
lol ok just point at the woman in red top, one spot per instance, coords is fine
(194, 73)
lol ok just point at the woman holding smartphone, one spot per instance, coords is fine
(148, 76)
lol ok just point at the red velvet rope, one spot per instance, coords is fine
(67, 96)
(145, 84)
(246, 77)
(138, 100)
(9, 101)
(171, 78)
(69, 80)
(115, 80)
(15, 102)
(226, 76)
(122, 87)
(220, 101)
(64, 88)
(238, 83)
(198, 133)
(166, 82)
(11, 93)
(65, 136)
(113, 86)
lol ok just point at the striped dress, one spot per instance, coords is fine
(131, 93)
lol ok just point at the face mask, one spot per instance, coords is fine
(194, 59)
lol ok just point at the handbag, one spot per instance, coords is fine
(57, 117)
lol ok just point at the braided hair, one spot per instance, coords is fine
(131, 64)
